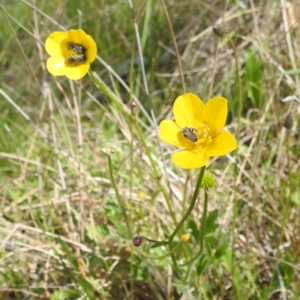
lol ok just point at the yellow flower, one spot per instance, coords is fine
(184, 238)
(71, 53)
(142, 195)
(198, 129)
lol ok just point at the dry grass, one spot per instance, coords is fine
(63, 230)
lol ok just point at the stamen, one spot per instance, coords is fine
(193, 138)
(203, 135)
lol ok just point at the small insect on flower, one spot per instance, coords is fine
(77, 53)
(188, 133)
(76, 48)
(77, 58)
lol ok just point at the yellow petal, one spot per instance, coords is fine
(223, 144)
(185, 108)
(215, 114)
(78, 72)
(190, 160)
(53, 41)
(184, 142)
(56, 66)
(64, 47)
(78, 36)
(91, 51)
(168, 132)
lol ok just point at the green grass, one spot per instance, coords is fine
(73, 159)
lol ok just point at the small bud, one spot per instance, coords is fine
(220, 30)
(208, 180)
(142, 195)
(133, 105)
(137, 241)
(289, 121)
(127, 249)
(184, 238)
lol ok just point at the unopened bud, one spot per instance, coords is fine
(133, 105)
(208, 180)
(137, 241)
(289, 121)
(220, 30)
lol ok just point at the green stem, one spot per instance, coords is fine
(120, 202)
(169, 253)
(203, 221)
(201, 236)
(239, 114)
(132, 117)
(177, 271)
(194, 198)
(108, 93)
(156, 175)
(239, 81)
(155, 241)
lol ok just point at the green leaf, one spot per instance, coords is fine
(227, 258)
(87, 287)
(289, 72)
(194, 230)
(71, 258)
(201, 264)
(287, 271)
(253, 78)
(211, 224)
(64, 294)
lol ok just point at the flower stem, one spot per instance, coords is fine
(194, 198)
(201, 236)
(156, 174)
(135, 122)
(239, 114)
(169, 253)
(120, 201)
(203, 221)
(103, 87)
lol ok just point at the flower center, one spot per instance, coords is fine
(204, 136)
(194, 138)
(75, 54)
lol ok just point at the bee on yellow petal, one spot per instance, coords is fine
(188, 133)
(76, 54)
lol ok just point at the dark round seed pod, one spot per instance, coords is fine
(137, 241)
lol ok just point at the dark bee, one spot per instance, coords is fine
(78, 58)
(189, 134)
(78, 49)
(77, 53)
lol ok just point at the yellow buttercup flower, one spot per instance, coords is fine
(71, 53)
(198, 129)
(142, 195)
(184, 238)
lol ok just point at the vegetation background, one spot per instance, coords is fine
(68, 214)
